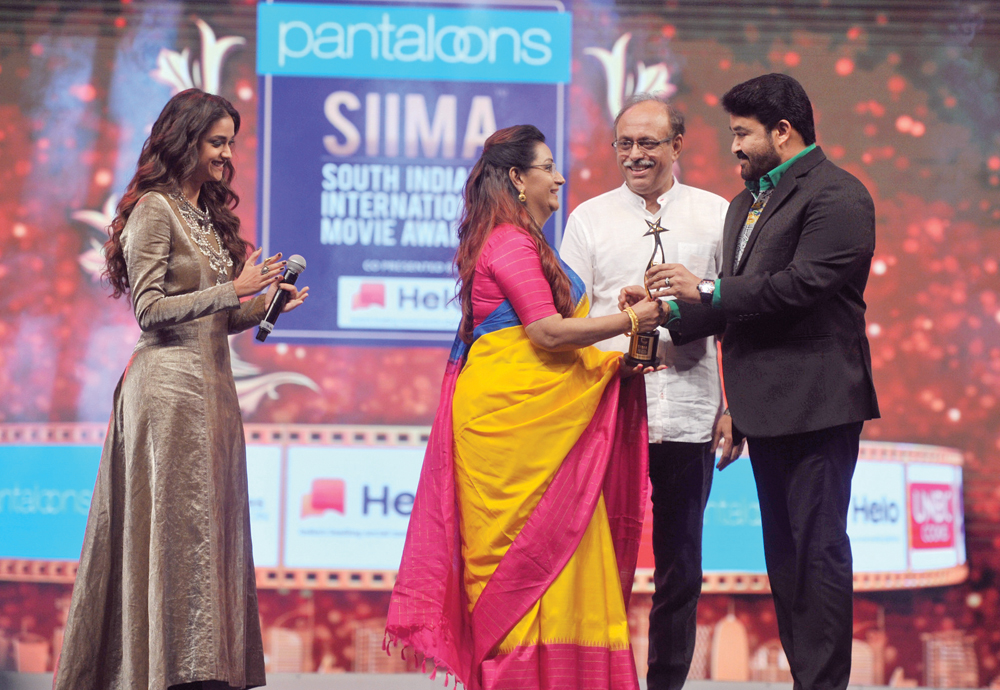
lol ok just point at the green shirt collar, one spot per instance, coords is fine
(770, 180)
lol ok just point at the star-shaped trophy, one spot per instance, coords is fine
(642, 348)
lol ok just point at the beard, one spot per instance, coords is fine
(758, 163)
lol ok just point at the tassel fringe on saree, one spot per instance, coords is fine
(522, 544)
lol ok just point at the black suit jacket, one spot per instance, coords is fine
(795, 356)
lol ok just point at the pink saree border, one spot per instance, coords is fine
(428, 609)
(564, 667)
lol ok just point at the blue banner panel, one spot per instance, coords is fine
(364, 178)
(412, 42)
(732, 539)
(45, 495)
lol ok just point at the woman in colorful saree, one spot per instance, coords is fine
(523, 539)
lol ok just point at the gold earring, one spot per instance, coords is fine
(521, 197)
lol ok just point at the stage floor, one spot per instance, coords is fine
(376, 681)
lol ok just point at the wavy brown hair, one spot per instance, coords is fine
(491, 200)
(169, 156)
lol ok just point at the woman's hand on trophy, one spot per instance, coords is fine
(673, 280)
(255, 277)
(649, 313)
(631, 295)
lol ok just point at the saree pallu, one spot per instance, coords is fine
(522, 544)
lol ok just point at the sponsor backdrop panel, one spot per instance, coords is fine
(876, 518)
(419, 304)
(371, 125)
(349, 507)
(935, 516)
(480, 43)
(264, 486)
(732, 537)
(44, 499)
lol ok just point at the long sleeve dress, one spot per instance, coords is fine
(165, 593)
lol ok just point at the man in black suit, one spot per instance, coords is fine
(797, 247)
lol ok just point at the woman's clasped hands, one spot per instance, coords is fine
(267, 274)
(648, 311)
(255, 277)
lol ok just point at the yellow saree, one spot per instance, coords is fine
(518, 566)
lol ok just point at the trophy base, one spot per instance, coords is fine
(642, 349)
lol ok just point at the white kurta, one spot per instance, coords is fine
(605, 244)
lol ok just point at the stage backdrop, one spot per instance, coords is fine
(358, 164)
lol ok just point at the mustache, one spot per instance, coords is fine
(742, 156)
(640, 164)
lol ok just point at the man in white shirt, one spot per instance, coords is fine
(607, 244)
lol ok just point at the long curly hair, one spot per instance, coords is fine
(169, 156)
(491, 200)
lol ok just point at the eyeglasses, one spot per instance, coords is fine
(646, 145)
(550, 168)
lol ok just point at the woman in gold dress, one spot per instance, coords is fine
(165, 595)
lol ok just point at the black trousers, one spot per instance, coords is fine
(681, 475)
(804, 487)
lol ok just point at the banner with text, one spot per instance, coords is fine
(372, 118)
(347, 506)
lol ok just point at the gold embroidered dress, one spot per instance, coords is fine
(165, 593)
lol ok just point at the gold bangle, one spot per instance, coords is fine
(633, 320)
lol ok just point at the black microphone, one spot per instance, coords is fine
(296, 264)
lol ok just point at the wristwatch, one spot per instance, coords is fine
(707, 290)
